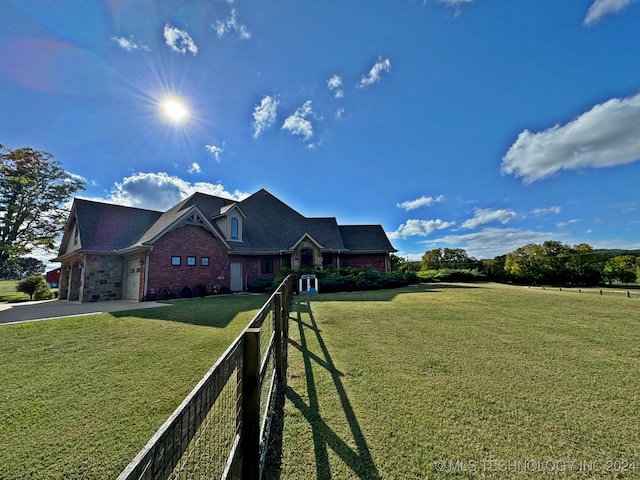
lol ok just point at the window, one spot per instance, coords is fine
(191, 260)
(176, 261)
(204, 261)
(306, 258)
(267, 265)
(234, 227)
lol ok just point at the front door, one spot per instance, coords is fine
(132, 291)
(236, 277)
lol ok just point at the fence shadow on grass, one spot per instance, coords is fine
(358, 459)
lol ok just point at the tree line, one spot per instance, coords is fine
(548, 263)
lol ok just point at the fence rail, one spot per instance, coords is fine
(221, 429)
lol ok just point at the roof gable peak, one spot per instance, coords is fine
(302, 238)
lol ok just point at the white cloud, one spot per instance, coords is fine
(601, 8)
(542, 211)
(75, 176)
(179, 41)
(419, 202)
(194, 168)
(339, 113)
(128, 44)
(298, 123)
(491, 242)
(375, 73)
(264, 114)
(215, 150)
(160, 191)
(625, 207)
(230, 24)
(420, 228)
(605, 136)
(482, 216)
(335, 85)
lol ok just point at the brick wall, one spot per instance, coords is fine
(186, 241)
(252, 267)
(376, 261)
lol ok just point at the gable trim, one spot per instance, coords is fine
(306, 235)
(192, 216)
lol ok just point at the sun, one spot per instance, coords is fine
(175, 110)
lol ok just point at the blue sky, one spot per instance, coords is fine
(478, 124)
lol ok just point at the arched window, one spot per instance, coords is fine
(234, 227)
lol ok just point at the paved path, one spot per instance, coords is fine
(26, 311)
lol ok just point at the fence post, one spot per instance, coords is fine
(278, 335)
(251, 404)
(287, 307)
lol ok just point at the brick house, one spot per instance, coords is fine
(111, 252)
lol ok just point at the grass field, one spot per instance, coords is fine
(462, 381)
(79, 397)
(8, 292)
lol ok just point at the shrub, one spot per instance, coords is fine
(43, 292)
(451, 275)
(428, 275)
(261, 285)
(32, 285)
(351, 279)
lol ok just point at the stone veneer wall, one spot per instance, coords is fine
(102, 278)
(317, 255)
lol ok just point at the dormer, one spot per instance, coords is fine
(230, 222)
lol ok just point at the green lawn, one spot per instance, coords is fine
(463, 381)
(8, 292)
(79, 397)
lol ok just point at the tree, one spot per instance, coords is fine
(33, 191)
(555, 255)
(494, 268)
(400, 264)
(432, 259)
(34, 285)
(623, 268)
(525, 264)
(457, 258)
(585, 265)
(30, 266)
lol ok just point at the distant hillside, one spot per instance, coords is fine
(614, 252)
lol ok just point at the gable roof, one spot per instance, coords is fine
(175, 218)
(269, 226)
(366, 238)
(273, 226)
(207, 206)
(106, 227)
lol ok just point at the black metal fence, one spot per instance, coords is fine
(221, 430)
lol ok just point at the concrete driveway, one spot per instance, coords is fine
(43, 310)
